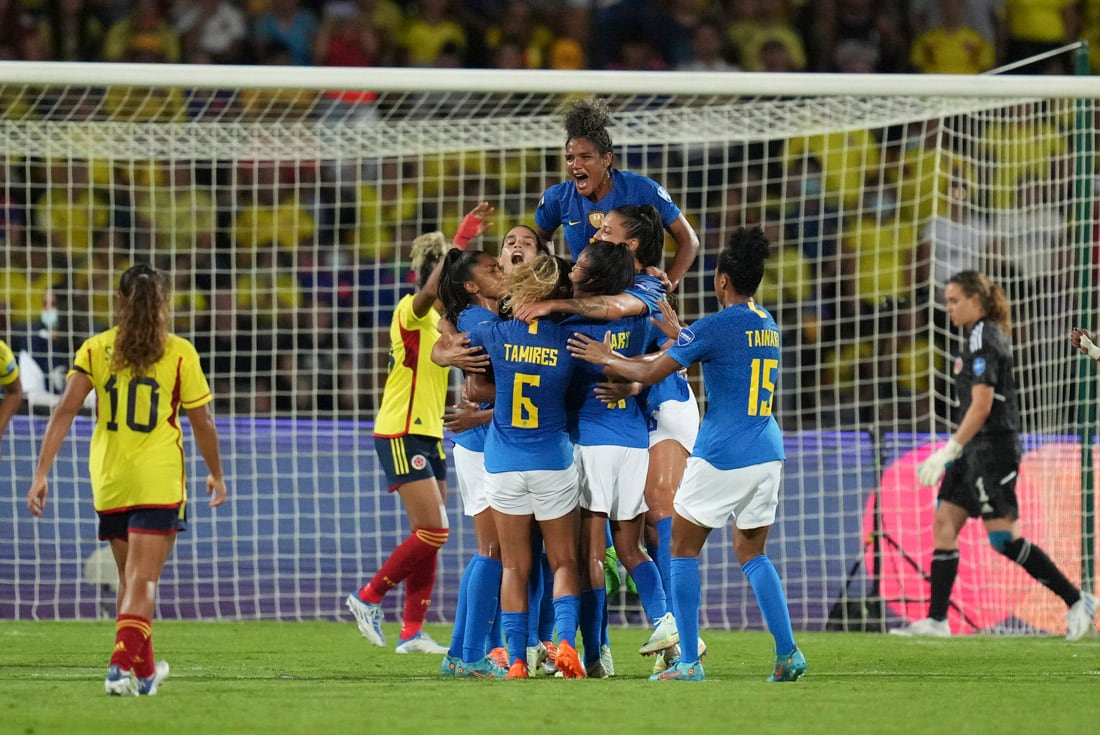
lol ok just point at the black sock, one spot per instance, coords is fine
(1036, 563)
(945, 567)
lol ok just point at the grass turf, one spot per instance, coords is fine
(263, 677)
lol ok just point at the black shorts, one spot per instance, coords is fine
(983, 480)
(410, 457)
(120, 524)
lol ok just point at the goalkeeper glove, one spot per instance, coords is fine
(1090, 348)
(931, 470)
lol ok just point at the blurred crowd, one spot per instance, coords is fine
(933, 36)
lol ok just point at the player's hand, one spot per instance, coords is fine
(656, 272)
(931, 470)
(474, 224)
(670, 323)
(530, 312)
(613, 391)
(456, 351)
(1081, 339)
(585, 348)
(463, 417)
(215, 487)
(36, 497)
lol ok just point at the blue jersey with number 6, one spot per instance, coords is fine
(533, 371)
(738, 349)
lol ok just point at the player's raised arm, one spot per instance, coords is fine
(646, 369)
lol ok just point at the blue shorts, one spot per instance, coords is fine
(411, 457)
(120, 524)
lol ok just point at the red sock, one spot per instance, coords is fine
(131, 634)
(144, 666)
(421, 544)
(418, 596)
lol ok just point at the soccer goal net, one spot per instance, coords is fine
(283, 202)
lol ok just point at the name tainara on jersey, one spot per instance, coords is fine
(762, 337)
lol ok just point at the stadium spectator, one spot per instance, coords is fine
(598, 187)
(736, 448)
(522, 27)
(13, 387)
(984, 16)
(211, 31)
(768, 24)
(71, 31)
(951, 46)
(285, 24)
(141, 497)
(145, 30)
(432, 37)
(870, 24)
(20, 38)
(1034, 27)
(709, 49)
(979, 465)
(408, 438)
(45, 352)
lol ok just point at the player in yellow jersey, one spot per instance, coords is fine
(13, 388)
(408, 439)
(142, 375)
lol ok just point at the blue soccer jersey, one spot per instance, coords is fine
(651, 291)
(470, 318)
(561, 206)
(594, 423)
(533, 372)
(738, 349)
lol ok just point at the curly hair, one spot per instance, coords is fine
(427, 249)
(142, 319)
(742, 260)
(535, 281)
(589, 119)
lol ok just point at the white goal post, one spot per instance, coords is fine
(283, 200)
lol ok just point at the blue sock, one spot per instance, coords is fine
(534, 602)
(664, 554)
(566, 611)
(591, 622)
(608, 541)
(515, 630)
(605, 637)
(483, 599)
(773, 603)
(650, 590)
(547, 613)
(459, 629)
(685, 602)
(495, 638)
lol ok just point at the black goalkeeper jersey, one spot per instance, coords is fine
(986, 359)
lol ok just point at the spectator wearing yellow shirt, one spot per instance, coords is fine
(270, 216)
(427, 34)
(1036, 26)
(952, 47)
(147, 21)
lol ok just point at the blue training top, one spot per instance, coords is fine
(739, 351)
(474, 439)
(533, 370)
(562, 206)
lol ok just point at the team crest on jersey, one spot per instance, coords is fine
(979, 366)
(958, 366)
(685, 338)
(418, 462)
(663, 194)
(595, 219)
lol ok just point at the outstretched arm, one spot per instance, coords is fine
(687, 249)
(605, 308)
(647, 369)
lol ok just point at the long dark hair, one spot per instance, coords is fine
(642, 222)
(142, 319)
(458, 266)
(609, 268)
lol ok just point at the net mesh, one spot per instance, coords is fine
(285, 216)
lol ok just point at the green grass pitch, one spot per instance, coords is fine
(262, 677)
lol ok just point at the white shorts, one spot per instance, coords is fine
(545, 494)
(612, 480)
(709, 496)
(470, 469)
(678, 420)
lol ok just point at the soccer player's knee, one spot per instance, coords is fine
(1002, 543)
